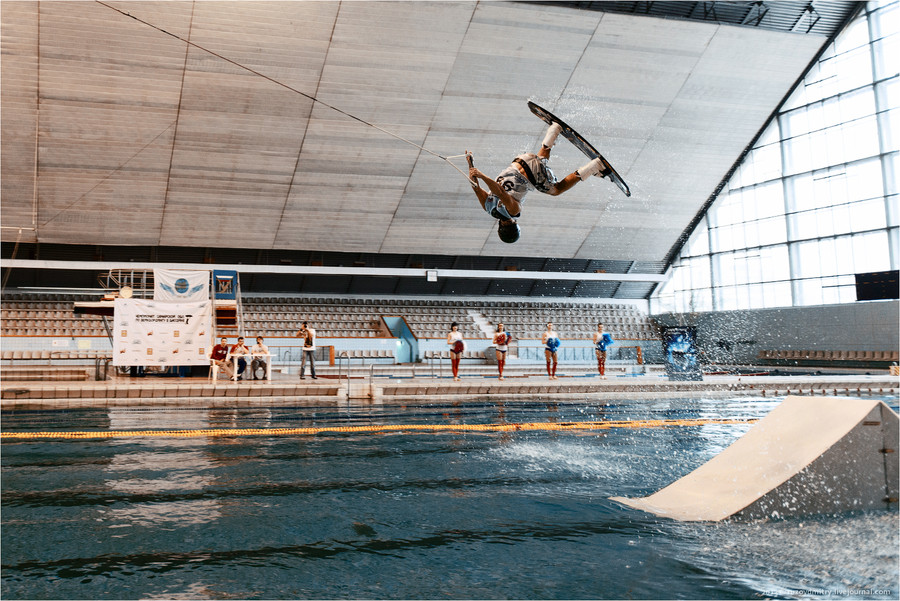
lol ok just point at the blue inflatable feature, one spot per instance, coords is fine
(552, 344)
(605, 342)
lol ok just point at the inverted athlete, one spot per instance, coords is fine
(504, 196)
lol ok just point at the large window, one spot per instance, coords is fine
(815, 201)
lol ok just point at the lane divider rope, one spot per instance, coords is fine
(373, 428)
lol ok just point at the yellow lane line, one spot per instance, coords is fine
(406, 428)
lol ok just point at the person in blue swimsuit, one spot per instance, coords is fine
(602, 342)
(551, 342)
(504, 196)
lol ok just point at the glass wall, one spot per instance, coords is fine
(815, 201)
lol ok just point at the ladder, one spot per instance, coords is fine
(228, 315)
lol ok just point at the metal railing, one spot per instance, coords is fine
(340, 357)
(583, 353)
(436, 357)
(104, 362)
(286, 354)
(141, 281)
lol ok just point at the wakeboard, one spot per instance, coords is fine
(581, 144)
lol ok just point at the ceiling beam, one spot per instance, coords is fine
(351, 271)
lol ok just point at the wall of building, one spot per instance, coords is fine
(738, 336)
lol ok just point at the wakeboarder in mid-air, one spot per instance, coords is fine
(504, 196)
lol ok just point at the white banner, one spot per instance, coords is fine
(158, 333)
(179, 285)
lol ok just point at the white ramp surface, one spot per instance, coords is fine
(809, 455)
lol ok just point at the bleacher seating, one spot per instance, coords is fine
(371, 354)
(48, 356)
(48, 316)
(280, 317)
(349, 318)
(446, 355)
(819, 357)
(574, 321)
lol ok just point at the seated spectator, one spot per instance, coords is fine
(260, 355)
(219, 356)
(240, 350)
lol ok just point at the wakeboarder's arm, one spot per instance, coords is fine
(473, 181)
(512, 205)
(479, 192)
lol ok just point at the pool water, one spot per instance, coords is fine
(409, 515)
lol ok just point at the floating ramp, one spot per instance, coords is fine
(809, 455)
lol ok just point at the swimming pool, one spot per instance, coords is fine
(405, 514)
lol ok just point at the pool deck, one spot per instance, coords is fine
(404, 387)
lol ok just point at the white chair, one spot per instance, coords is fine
(214, 370)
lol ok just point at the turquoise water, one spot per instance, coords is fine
(405, 516)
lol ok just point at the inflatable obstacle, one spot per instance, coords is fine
(809, 455)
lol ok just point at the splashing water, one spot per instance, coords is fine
(827, 557)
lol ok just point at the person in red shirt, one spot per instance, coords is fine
(220, 356)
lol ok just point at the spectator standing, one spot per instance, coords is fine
(550, 340)
(457, 347)
(260, 356)
(308, 334)
(602, 341)
(501, 346)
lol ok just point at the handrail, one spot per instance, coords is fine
(342, 355)
(105, 361)
(284, 355)
(440, 361)
(141, 281)
(238, 305)
(323, 352)
(581, 352)
(109, 332)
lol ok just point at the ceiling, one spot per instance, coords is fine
(180, 124)
(796, 16)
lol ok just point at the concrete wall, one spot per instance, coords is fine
(284, 349)
(738, 336)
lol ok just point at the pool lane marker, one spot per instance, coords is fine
(402, 428)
